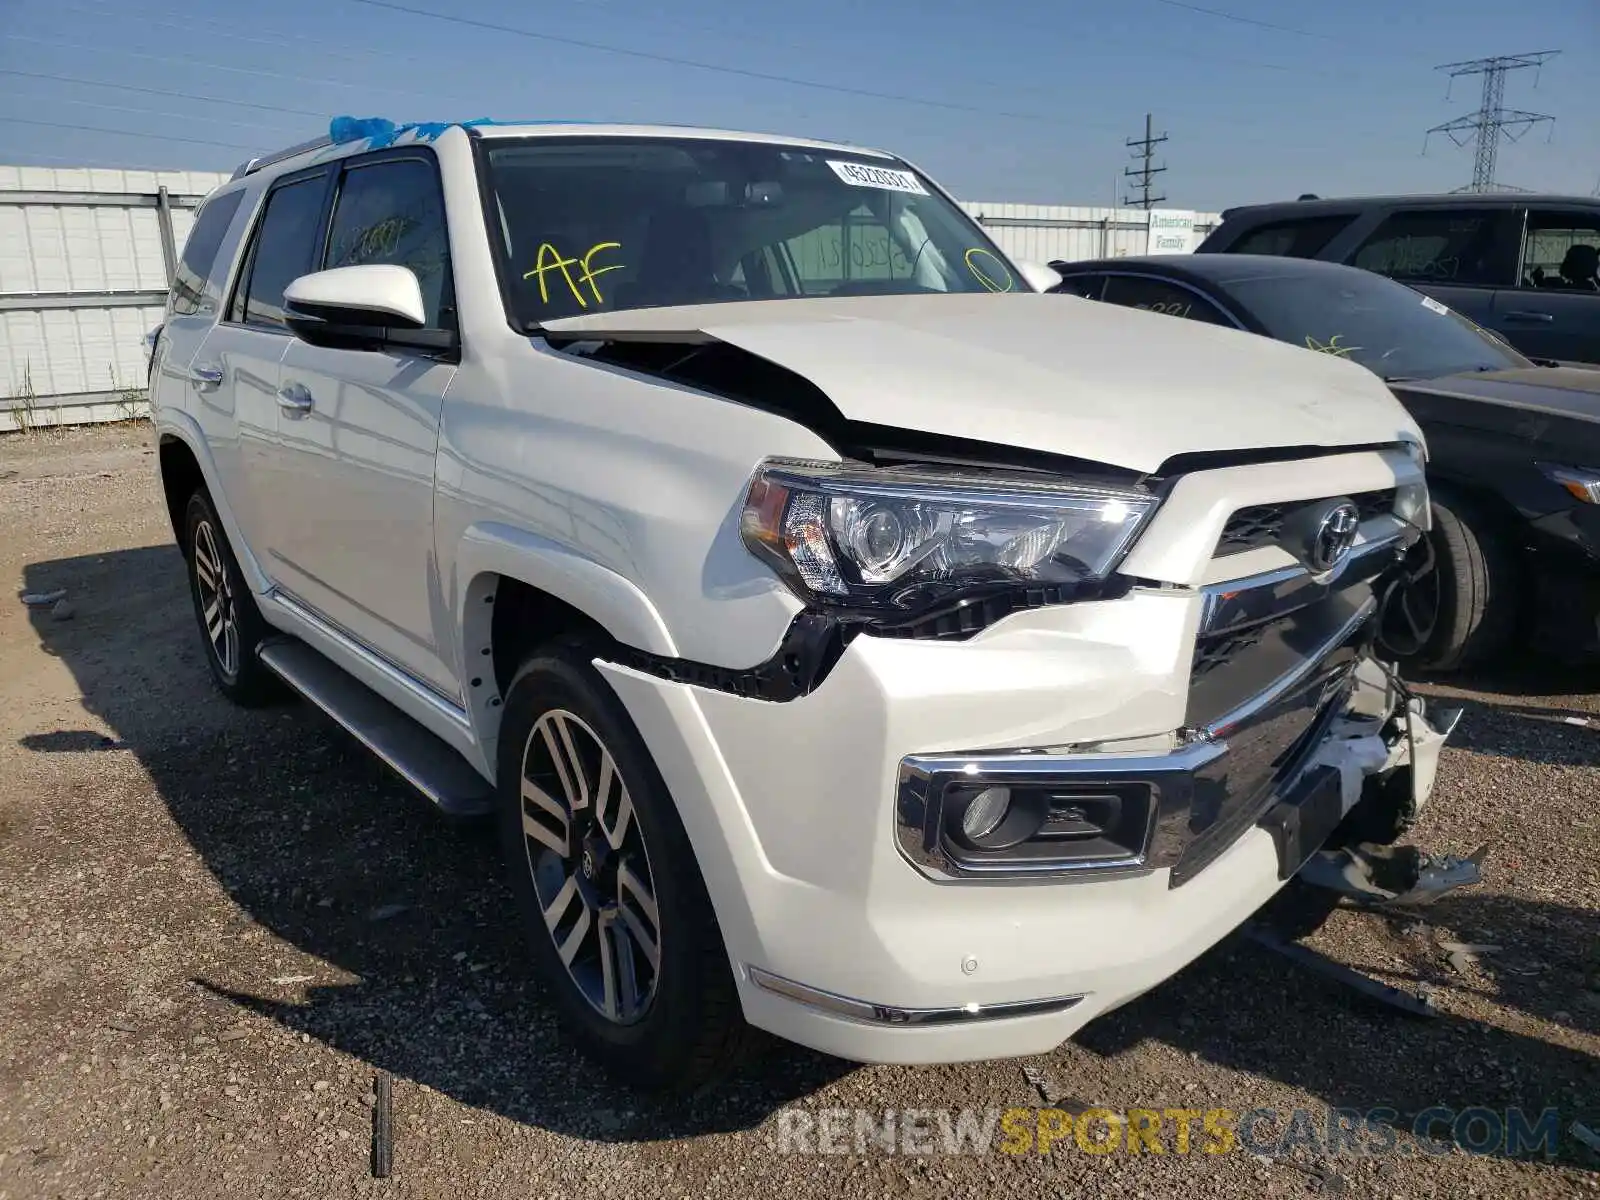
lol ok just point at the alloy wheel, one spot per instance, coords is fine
(218, 609)
(1412, 614)
(590, 867)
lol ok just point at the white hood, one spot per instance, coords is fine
(1045, 372)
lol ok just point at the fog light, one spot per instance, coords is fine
(984, 813)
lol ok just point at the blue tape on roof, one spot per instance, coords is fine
(380, 132)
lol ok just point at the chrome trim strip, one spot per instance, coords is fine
(887, 1014)
(1286, 683)
(400, 678)
(1022, 762)
(1248, 590)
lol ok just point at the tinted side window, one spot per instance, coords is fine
(392, 212)
(284, 249)
(1157, 295)
(200, 251)
(1301, 238)
(1450, 245)
(1085, 286)
(1562, 252)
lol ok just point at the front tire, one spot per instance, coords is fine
(1461, 611)
(231, 626)
(621, 928)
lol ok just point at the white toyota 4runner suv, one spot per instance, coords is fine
(851, 641)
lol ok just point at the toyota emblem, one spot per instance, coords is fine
(1334, 538)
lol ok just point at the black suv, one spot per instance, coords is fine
(1523, 266)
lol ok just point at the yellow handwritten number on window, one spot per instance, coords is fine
(551, 259)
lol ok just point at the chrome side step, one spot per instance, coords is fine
(416, 755)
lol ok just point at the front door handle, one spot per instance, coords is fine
(295, 398)
(1542, 318)
(205, 377)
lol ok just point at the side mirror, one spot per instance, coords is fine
(354, 305)
(1038, 276)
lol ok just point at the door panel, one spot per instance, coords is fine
(1554, 312)
(233, 379)
(351, 527)
(1459, 255)
(352, 507)
(234, 375)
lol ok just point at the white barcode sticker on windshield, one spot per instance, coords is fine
(863, 175)
(1431, 303)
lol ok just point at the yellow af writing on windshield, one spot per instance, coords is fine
(551, 259)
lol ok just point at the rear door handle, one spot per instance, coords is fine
(205, 377)
(295, 398)
(1542, 318)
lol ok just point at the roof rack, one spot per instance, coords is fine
(266, 160)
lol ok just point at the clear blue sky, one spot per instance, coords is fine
(1262, 98)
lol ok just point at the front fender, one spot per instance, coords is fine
(491, 548)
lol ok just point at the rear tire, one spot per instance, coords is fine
(231, 626)
(622, 931)
(1464, 610)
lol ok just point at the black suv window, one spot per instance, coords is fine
(391, 211)
(1303, 237)
(200, 251)
(1087, 287)
(284, 249)
(1442, 245)
(1158, 295)
(1561, 251)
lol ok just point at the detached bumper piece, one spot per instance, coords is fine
(1102, 816)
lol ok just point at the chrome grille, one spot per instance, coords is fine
(1260, 524)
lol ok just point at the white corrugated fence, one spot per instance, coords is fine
(85, 261)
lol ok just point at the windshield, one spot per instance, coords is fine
(597, 225)
(1385, 326)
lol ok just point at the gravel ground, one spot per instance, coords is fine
(216, 927)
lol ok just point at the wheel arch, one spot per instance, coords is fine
(185, 462)
(518, 590)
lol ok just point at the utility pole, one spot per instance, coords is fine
(1493, 120)
(1143, 176)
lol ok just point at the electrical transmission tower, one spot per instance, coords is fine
(1493, 120)
(1144, 174)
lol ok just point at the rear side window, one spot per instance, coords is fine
(1561, 251)
(284, 248)
(1085, 286)
(200, 251)
(1158, 295)
(1302, 238)
(392, 212)
(1450, 245)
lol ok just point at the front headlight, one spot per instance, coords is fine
(1581, 483)
(900, 539)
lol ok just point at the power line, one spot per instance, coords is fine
(1237, 19)
(155, 137)
(1143, 175)
(1493, 120)
(128, 87)
(650, 56)
(151, 112)
(216, 66)
(230, 31)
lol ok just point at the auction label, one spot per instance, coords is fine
(862, 175)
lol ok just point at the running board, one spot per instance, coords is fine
(417, 756)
